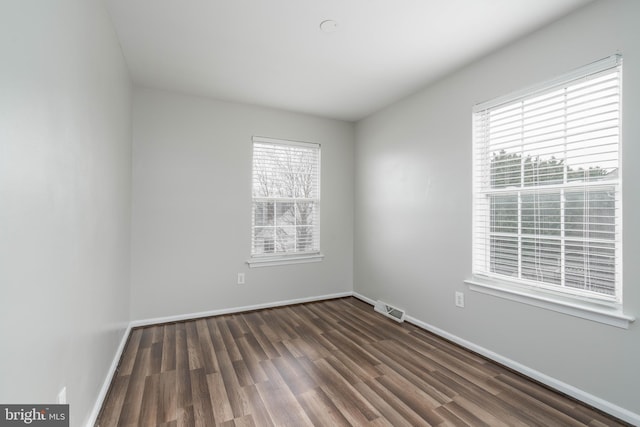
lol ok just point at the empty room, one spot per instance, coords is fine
(292, 213)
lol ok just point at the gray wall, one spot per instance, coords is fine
(413, 207)
(66, 185)
(192, 206)
(65, 169)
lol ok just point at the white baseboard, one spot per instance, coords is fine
(565, 388)
(569, 390)
(93, 417)
(146, 322)
(365, 299)
(189, 316)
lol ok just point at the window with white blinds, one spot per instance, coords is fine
(286, 198)
(547, 185)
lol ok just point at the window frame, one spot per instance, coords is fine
(541, 294)
(286, 257)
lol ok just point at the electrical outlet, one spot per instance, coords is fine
(459, 299)
(62, 396)
(240, 278)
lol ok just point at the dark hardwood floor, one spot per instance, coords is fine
(329, 363)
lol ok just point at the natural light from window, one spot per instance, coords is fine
(547, 199)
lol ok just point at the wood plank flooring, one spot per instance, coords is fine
(328, 363)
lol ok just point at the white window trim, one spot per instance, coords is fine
(597, 309)
(608, 314)
(549, 85)
(284, 142)
(271, 260)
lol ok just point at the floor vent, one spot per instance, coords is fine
(389, 311)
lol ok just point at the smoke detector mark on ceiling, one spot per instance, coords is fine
(329, 26)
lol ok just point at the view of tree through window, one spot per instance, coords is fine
(547, 186)
(285, 197)
(583, 231)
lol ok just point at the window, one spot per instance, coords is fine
(547, 186)
(286, 202)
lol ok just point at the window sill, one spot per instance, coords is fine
(608, 315)
(283, 260)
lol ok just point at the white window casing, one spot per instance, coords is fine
(285, 220)
(547, 199)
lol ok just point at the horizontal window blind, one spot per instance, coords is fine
(547, 185)
(286, 198)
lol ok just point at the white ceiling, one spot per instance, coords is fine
(272, 52)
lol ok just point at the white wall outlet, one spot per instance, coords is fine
(62, 396)
(459, 299)
(240, 278)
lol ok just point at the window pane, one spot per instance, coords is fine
(263, 213)
(591, 174)
(285, 213)
(539, 171)
(264, 179)
(304, 176)
(505, 170)
(504, 213)
(591, 266)
(541, 260)
(304, 239)
(305, 213)
(541, 214)
(263, 240)
(285, 239)
(504, 255)
(590, 214)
